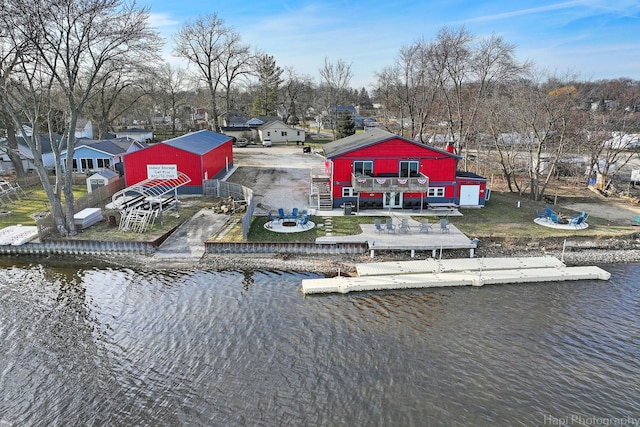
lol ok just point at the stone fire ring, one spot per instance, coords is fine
(288, 226)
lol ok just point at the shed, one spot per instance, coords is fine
(200, 155)
(100, 179)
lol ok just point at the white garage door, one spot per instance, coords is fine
(469, 195)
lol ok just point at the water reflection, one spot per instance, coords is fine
(197, 347)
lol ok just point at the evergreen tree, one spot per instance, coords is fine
(346, 126)
(269, 81)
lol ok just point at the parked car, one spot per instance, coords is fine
(242, 142)
(266, 142)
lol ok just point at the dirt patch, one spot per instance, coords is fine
(279, 176)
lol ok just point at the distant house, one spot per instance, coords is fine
(84, 129)
(278, 131)
(378, 169)
(93, 155)
(142, 135)
(25, 152)
(199, 155)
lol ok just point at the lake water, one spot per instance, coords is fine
(117, 347)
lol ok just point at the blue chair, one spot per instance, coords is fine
(444, 225)
(378, 225)
(548, 212)
(294, 213)
(304, 222)
(540, 214)
(424, 225)
(577, 220)
(281, 214)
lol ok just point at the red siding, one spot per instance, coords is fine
(135, 164)
(438, 166)
(217, 160)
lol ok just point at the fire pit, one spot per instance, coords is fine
(288, 223)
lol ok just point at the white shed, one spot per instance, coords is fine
(100, 179)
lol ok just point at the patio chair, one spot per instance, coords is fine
(540, 214)
(404, 225)
(425, 226)
(378, 225)
(294, 213)
(304, 222)
(389, 227)
(281, 214)
(444, 225)
(577, 220)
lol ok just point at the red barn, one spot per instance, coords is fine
(199, 155)
(378, 169)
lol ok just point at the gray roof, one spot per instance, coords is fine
(199, 142)
(365, 139)
(104, 145)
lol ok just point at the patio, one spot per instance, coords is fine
(294, 222)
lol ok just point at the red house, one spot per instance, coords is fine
(377, 169)
(200, 155)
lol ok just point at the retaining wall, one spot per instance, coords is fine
(277, 247)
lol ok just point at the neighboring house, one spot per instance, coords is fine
(240, 132)
(84, 129)
(138, 134)
(278, 131)
(91, 155)
(199, 155)
(25, 152)
(378, 169)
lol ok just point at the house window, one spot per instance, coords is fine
(284, 133)
(85, 165)
(298, 133)
(103, 163)
(363, 168)
(268, 133)
(435, 192)
(349, 192)
(409, 168)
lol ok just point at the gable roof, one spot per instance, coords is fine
(274, 123)
(365, 139)
(199, 142)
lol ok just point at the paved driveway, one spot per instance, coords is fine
(279, 175)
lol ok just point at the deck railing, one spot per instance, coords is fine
(380, 184)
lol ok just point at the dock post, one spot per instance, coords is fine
(471, 253)
(413, 253)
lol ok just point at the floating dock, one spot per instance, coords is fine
(453, 272)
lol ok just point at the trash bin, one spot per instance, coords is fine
(347, 208)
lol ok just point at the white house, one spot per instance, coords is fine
(84, 129)
(278, 131)
(141, 135)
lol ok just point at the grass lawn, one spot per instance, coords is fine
(34, 200)
(501, 218)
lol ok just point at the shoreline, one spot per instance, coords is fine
(332, 265)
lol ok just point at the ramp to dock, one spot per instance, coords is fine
(455, 272)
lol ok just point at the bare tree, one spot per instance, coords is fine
(70, 43)
(217, 53)
(172, 90)
(296, 96)
(387, 92)
(335, 80)
(466, 72)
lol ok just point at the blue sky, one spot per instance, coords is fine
(597, 39)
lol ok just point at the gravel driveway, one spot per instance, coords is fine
(279, 175)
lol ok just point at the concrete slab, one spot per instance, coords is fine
(187, 242)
